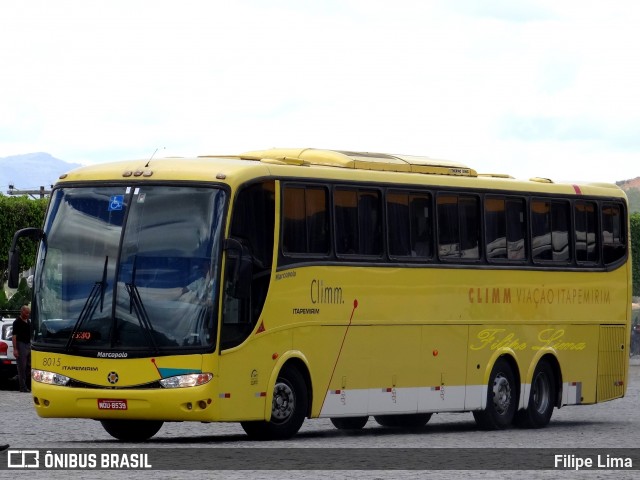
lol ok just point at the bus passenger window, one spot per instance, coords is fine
(398, 222)
(495, 228)
(550, 231)
(448, 228)
(586, 232)
(409, 221)
(305, 221)
(516, 230)
(613, 233)
(358, 217)
(421, 226)
(505, 228)
(458, 227)
(560, 224)
(541, 230)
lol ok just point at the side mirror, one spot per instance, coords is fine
(14, 253)
(14, 268)
(239, 268)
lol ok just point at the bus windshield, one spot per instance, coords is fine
(129, 269)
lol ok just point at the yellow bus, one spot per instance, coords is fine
(279, 285)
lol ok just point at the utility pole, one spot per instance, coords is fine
(41, 192)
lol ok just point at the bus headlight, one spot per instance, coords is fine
(190, 380)
(51, 378)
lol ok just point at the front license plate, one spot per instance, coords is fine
(110, 404)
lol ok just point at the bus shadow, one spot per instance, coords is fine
(371, 430)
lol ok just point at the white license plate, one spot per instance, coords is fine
(110, 404)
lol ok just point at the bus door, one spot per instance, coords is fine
(243, 369)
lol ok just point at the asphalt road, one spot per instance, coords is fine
(606, 426)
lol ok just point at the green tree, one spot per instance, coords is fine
(3, 299)
(21, 297)
(635, 253)
(17, 213)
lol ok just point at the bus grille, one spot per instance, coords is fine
(79, 384)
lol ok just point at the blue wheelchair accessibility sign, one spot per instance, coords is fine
(116, 202)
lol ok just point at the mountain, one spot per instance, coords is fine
(31, 171)
(628, 184)
(632, 189)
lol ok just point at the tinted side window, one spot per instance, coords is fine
(409, 218)
(613, 233)
(516, 230)
(358, 217)
(505, 228)
(305, 222)
(495, 218)
(585, 215)
(458, 226)
(550, 230)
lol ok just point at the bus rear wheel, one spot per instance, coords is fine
(349, 423)
(412, 420)
(502, 398)
(288, 408)
(541, 401)
(132, 430)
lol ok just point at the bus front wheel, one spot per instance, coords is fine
(288, 408)
(132, 430)
(502, 398)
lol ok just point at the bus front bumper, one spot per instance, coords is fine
(179, 404)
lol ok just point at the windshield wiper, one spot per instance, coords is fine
(91, 304)
(136, 305)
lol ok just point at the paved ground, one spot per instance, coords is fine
(604, 426)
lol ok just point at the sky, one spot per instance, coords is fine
(531, 88)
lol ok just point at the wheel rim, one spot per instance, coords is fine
(283, 402)
(541, 393)
(501, 394)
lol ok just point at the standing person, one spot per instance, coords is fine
(22, 347)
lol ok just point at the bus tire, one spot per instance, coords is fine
(349, 423)
(289, 408)
(541, 400)
(412, 420)
(501, 398)
(132, 430)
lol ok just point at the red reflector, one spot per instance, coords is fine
(4, 348)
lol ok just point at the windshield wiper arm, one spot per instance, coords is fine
(91, 304)
(136, 305)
